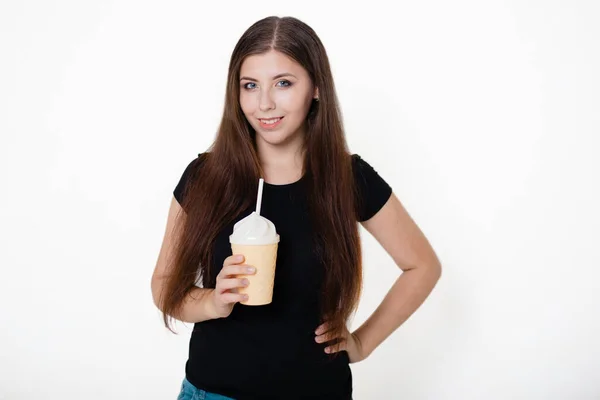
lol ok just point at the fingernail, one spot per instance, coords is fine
(239, 258)
(245, 282)
(250, 269)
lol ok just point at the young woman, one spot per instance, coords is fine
(282, 122)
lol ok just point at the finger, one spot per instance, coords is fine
(234, 259)
(342, 345)
(325, 337)
(225, 284)
(322, 328)
(228, 298)
(236, 269)
(320, 339)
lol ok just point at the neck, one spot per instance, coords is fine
(281, 163)
(284, 155)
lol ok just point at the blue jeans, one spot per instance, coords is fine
(191, 392)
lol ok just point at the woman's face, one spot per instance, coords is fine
(275, 96)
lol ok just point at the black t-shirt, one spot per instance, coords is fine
(269, 352)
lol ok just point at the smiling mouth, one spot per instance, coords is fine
(271, 122)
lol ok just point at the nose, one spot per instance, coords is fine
(265, 101)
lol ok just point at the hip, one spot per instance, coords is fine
(191, 392)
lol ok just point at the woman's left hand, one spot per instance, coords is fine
(349, 342)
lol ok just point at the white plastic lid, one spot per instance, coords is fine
(254, 230)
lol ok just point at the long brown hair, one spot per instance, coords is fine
(231, 170)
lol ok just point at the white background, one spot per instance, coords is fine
(483, 116)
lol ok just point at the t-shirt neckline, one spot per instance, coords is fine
(285, 185)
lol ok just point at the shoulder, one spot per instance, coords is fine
(195, 165)
(198, 161)
(372, 190)
(191, 172)
(359, 165)
(364, 172)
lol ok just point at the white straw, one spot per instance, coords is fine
(259, 198)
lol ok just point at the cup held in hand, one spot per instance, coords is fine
(256, 238)
(263, 258)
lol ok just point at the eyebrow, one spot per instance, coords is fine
(275, 77)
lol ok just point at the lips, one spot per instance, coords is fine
(268, 119)
(268, 123)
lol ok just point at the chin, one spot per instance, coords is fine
(273, 138)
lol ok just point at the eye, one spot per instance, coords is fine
(285, 82)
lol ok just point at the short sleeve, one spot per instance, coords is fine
(372, 190)
(190, 171)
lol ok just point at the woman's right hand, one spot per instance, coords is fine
(225, 295)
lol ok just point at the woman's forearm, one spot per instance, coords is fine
(196, 307)
(406, 295)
